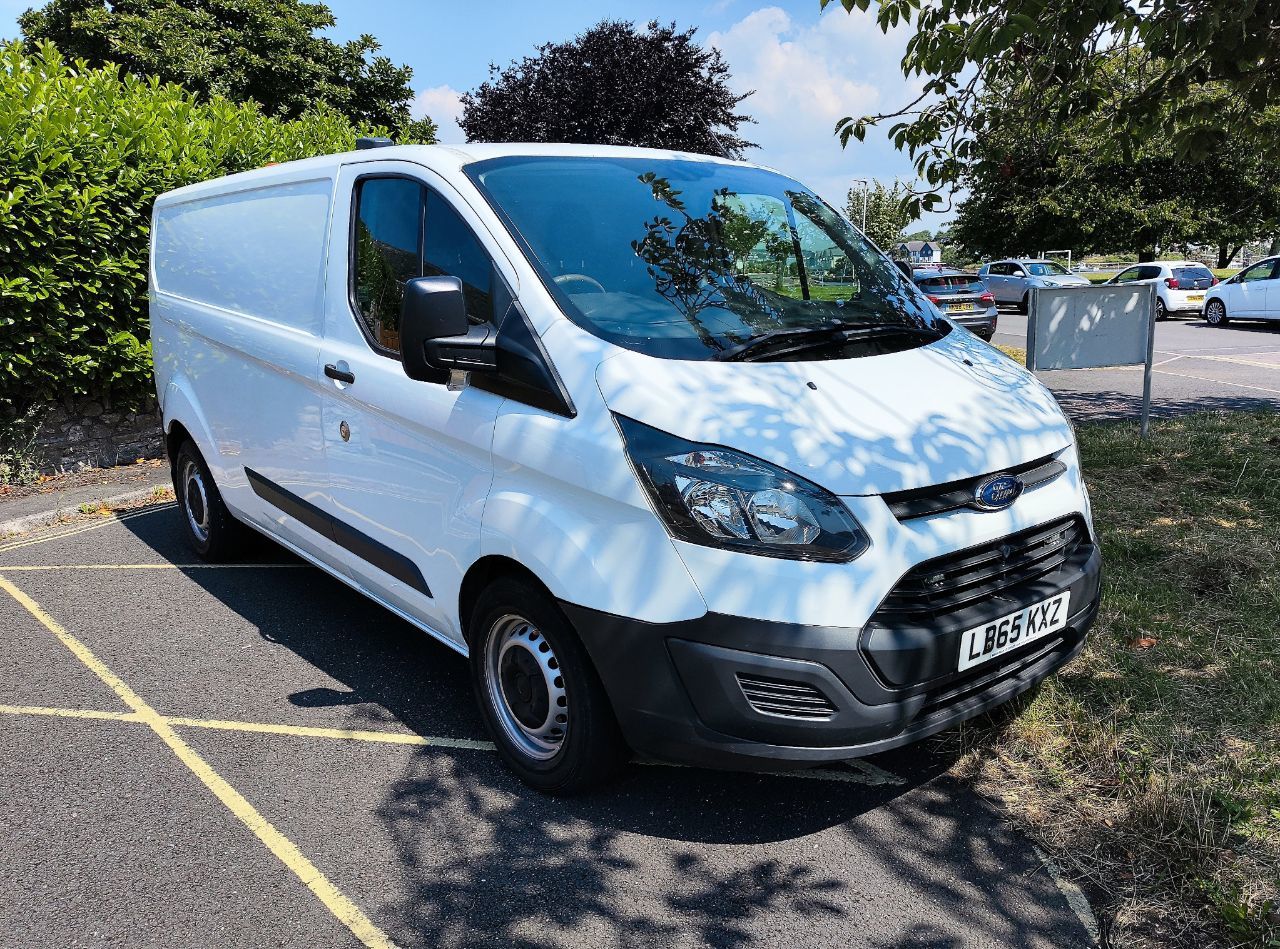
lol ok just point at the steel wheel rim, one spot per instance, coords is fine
(195, 500)
(526, 687)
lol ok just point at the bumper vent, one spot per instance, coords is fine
(921, 502)
(786, 698)
(952, 582)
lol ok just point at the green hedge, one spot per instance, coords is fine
(83, 154)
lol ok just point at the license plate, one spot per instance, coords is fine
(986, 642)
(1195, 298)
(961, 308)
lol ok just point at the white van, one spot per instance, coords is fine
(681, 461)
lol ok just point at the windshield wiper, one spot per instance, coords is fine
(807, 337)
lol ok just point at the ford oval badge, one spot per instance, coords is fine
(996, 492)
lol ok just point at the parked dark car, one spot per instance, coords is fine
(962, 297)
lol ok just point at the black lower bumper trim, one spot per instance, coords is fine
(676, 687)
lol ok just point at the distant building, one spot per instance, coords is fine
(918, 252)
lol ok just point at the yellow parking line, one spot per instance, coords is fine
(154, 566)
(855, 771)
(96, 525)
(69, 713)
(284, 849)
(308, 731)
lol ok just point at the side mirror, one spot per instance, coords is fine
(435, 336)
(905, 268)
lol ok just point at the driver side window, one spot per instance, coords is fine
(404, 230)
(452, 249)
(1260, 271)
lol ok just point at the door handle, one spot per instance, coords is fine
(341, 375)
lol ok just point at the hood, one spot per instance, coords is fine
(954, 409)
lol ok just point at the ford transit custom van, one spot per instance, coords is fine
(680, 461)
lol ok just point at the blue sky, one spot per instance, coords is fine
(808, 67)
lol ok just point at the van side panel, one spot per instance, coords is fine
(237, 296)
(257, 253)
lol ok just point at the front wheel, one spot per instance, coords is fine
(1216, 313)
(213, 533)
(1024, 305)
(539, 693)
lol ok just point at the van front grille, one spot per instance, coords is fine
(785, 697)
(967, 576)
(921, 502)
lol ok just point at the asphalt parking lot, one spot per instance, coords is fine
(254, 755)
(1196, 367)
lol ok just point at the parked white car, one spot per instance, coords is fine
(527, 398)
(1252, 294)
(1181, 285)
(1011, 281)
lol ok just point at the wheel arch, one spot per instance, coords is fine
(479, 576)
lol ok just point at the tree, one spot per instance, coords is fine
(1050, 62)
(613, 85)
(887, 216)
(266, 51)
(1034, 186)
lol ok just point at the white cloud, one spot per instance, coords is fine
(442, 103)
(808, 76)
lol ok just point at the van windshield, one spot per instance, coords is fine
(693, 259)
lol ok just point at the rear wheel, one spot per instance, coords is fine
(539, 693)
(211, 531)
(1162, 312)
(1216, 313)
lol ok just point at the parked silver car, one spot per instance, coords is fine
(1011, 281)
(961, 297)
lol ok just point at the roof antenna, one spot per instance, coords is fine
(373, 141)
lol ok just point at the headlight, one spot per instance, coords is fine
(718, 497)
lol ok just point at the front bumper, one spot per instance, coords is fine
(676, 689)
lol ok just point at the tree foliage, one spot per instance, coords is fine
(613, 85)
(1050, 62)
(1034, 186)
(83, 154)
(266, 51)
(887, 214)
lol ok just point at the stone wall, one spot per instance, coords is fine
(89, 434)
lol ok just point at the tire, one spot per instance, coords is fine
(527, 662)
(1024, 305)
(1162, 312)
(211, 531)
(1215, 313)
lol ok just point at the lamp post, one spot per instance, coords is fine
(866, 189)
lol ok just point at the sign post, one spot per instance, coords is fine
(1093, 327)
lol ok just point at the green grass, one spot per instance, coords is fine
(1151, 764)
(1016, 353)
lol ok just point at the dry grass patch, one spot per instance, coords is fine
(1151, 765)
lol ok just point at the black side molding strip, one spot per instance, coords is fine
(371, 551)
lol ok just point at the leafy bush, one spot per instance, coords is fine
(83, 154)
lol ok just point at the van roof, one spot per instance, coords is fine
(438, 157)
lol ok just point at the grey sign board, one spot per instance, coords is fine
(1091, 327)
